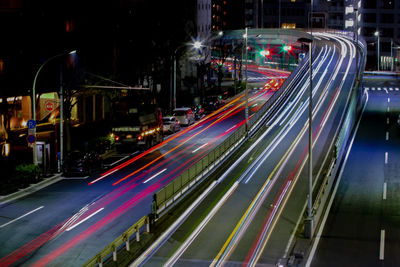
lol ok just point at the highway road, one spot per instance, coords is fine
(251, 216)
(362, 227)
(70, 221)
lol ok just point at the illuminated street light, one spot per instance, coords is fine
(308, 227)
(197, 45)
(377, 35)
(34, 106)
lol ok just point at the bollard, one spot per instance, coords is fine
(137, 234)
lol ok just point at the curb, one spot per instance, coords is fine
(31, 189)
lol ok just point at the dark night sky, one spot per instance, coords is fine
(113, 38)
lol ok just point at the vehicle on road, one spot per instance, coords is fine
(213, 103)
(198, 112)
(184, 115)
(137, 122)
(77, 163)
(171, 124)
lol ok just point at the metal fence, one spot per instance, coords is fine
(119, 242)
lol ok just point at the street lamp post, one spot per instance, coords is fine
(34, 104)
(377, 35)
(308, 228)
(356, 35)
(196, 45)
(246, 110)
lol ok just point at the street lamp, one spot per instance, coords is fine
(34, 105)
(246, 110)
(308, 228)
(356, 35)
(197, 45)
(377, 35)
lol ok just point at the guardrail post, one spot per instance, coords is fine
(147, 224)
(114, 253)
(137, 234)
(126, 238)
(100, 261)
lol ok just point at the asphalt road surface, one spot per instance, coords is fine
(363, 226)
(251, 216)
(69, 222)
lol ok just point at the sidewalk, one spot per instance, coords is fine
(42, 184)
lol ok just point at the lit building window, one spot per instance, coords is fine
(289, 25)
(1, 65)
(69, 25)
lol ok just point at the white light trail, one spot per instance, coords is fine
(87, 218)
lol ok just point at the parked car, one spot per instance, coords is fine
(171, 124)
(79, 163)
(184, 115)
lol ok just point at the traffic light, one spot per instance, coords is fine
(265, 53)
(287, 48)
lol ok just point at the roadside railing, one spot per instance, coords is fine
(118, 243)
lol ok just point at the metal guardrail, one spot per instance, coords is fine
(119, 241)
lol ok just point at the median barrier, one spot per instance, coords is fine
(119, 242)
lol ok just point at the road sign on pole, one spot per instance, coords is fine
(49, 106)
(31, 124)
(31, 139)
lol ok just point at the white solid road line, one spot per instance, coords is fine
(200, 147)
(386, 157)
(155, 175)
(387, 136)
(382, 246)
(20, 217)
(87, 218)
(384, 190)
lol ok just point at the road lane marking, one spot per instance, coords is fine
(386, 157)
(231, 128)
(397, 89)
(388, 99)
(87, 218)
(388, 109)
(384, 190)
(391, 88)
(387, 120)
(341, 170)
(386, 90)
(155, 175)
(22, 216)
(200, 147)
(382, 246)
(387, 136)
(379, 89)
(112, 164)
